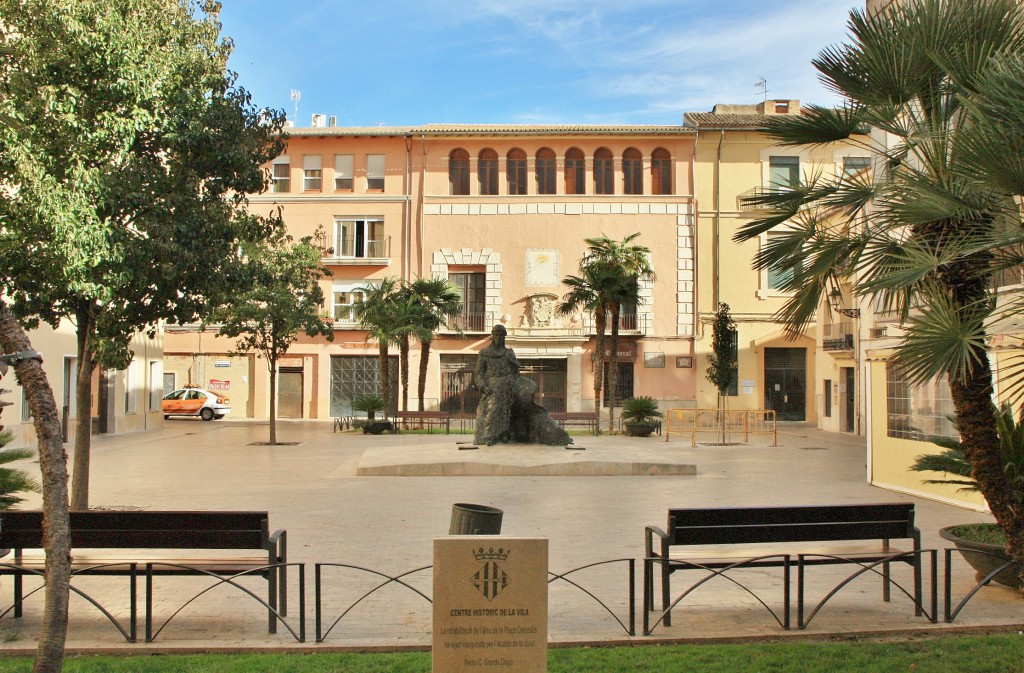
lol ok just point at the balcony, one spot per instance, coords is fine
(838, 337)
(349, 251)
(747, 202)
(471, 321)
(632, 324)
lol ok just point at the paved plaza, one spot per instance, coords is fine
(317, 489)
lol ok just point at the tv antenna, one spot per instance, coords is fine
(762, 84)
(295, 97)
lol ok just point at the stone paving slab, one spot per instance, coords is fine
(387, 525)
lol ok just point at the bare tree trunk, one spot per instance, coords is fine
(403, 365)
(54, 469)
(599, 327)
(976, 421)
(385, 376)
(421, 384)
(613, 371)
(83, 402)
(272, 364)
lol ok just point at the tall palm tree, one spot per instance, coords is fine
(624, 264)
(377, 314)
(436, 301)
(941, 84)
(588, 292)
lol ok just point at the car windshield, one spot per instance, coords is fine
(176, 395)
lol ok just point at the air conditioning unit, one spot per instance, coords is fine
(878, 332)
(333, 122)
(319, 121)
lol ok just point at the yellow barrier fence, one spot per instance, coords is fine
(746, 421)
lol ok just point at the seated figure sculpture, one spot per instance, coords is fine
(506, 412)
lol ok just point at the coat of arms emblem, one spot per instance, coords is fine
(490, 579)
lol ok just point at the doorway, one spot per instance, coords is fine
(849, 400)
(289, 392)
(785, 382)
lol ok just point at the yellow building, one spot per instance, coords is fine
(125, 400)
(813, 377)
(502, 212)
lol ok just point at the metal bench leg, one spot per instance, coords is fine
(273, 577)
(18, 594)
(666, 593)
(886, 581)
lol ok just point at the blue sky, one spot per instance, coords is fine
(527, 61)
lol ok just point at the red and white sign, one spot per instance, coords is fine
(216, 384)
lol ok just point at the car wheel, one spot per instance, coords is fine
(206, 414)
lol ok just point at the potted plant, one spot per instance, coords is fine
(371, 404)
(983, 545)
(640, 416)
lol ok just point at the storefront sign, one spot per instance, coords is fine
(217, 384)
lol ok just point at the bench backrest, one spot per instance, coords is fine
(143, 530)
(749, 525)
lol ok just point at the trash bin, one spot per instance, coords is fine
(475, 520)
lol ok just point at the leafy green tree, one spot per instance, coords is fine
(622, 264)
(942, 85)
(284, 298)
(127, 151)
(435, 301)
(721, 371)
(54, 470)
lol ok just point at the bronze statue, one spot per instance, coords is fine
(506, 412)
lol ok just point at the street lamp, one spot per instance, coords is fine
(835, 299)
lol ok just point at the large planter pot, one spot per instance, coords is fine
(984, 558)
(639, 429)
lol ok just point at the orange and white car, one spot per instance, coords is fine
(196, 402)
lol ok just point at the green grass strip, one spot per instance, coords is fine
(946, 654)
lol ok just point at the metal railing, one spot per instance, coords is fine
(471, 322)
(746, 421)
(837, 336)
(346, 248)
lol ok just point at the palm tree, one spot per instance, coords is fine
(587, 292)
(940, 83)
(377, 315)
(624, 265)
(436, 301)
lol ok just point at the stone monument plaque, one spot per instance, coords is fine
(490, 604)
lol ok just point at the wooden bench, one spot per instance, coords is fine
(776, 537)
(424, 419)
(137, 534)
(583, 418)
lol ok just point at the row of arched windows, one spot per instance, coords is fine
(545, 172)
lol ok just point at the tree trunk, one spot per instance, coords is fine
(976, 421)
(54, 472)
(83, 423)
(272, 365)
(613, 365)
(403, 366)
(600, 318)
(421, 384)
(385, 375)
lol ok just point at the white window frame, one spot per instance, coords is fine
(156, 385)
(281, 184)
(367, 224)
(312, 173)
(766, 157)
(346, 287)
(131, 387)
(765, 290)
(375, 167)
(344, 169)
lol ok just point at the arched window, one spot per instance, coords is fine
(458, 172)
(545, 171)
(488, 171)
(516, 172)
(632, 172)
(661, 172)
(575, 172)
(604, 171)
